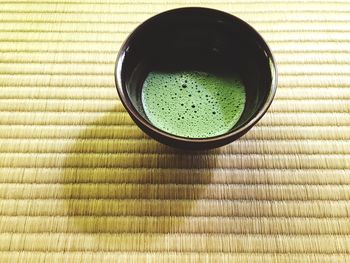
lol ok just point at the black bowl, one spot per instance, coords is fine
(203, 39)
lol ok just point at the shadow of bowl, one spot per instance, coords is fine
(122, 182)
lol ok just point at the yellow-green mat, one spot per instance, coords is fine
(79, 182)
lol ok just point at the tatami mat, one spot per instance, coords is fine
(79, 182)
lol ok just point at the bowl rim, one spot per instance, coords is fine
(140, 120)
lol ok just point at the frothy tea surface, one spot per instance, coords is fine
(193, 104)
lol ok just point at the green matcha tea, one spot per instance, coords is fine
(193, 104)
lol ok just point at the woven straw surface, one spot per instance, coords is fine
(79, 182)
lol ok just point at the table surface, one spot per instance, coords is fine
(79, 182)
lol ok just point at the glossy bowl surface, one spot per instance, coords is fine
(197, 39)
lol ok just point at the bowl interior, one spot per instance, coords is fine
(198, 39)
